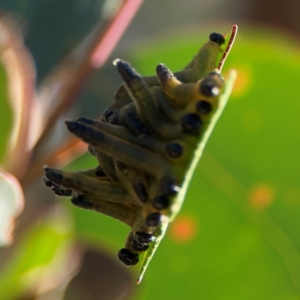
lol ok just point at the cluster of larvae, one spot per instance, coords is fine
(145, 144)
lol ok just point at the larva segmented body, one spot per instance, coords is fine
(147, 144)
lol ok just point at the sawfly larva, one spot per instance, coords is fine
(148, 143)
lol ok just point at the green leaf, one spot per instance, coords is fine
(40, 257)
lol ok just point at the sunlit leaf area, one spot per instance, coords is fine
(237, 235)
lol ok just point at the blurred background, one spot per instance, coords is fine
(237, 236)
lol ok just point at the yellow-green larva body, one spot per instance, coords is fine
(148, 143)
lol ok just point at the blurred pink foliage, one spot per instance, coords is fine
(36, 110)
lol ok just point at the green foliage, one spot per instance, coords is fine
(44, 248)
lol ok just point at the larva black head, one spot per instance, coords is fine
(217, 38)
(209, 86)
(127, 257)
(174, 150)
(153, 220)
(169, 187)
(140, 247)
(161, 202)
(144, 238)
(203, 107)
(191, 124)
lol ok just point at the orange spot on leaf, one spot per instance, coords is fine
(262, 196)
(183, 229)
(243, 81)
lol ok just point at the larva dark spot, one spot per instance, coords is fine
(99, 172)
(139, 246)
(144, 238)
(81, 201)
(122, 167)
(153, 220)
(203, 107)
(217, 38)
(174, 150)
(161, 202)
(208, 87)
(127, 257)
(191, 124)
(141, 191)
(168, 187)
